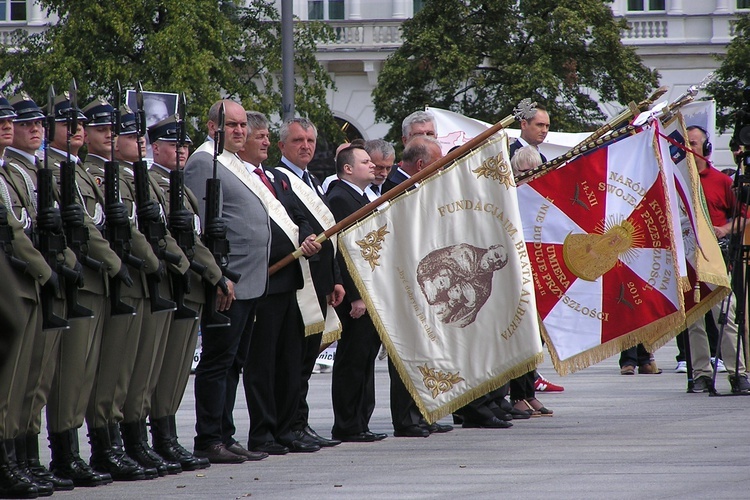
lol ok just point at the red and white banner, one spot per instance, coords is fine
(601, 242)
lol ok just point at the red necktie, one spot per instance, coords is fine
(265, 180)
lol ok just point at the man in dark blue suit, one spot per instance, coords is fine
(353, 380)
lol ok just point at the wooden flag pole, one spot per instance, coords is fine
(400, 188)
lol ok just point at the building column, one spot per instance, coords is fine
(34, 14)
(399, 9)
(674, 7)
(355, 9)
(723, 7)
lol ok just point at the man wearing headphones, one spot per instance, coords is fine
(721, 202)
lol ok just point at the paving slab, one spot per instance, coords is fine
(612, 436)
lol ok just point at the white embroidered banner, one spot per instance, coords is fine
(447, 280)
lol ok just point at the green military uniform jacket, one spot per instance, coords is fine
(160, 177)
(97, 247)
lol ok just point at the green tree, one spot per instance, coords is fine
(733, 76)
(480, 58)
(203, 48)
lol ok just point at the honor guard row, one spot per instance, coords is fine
(109, 299)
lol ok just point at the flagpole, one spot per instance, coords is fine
(625, 116)
(544, 168)
(398, 189)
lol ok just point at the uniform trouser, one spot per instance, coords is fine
(175, 369)
(352, 382)
(42, 367)
(272, 369)
(14, 373)
(78, 360)
(148, 361)
(700, 351)
(116, 360)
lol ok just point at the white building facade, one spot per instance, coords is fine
(679, 38)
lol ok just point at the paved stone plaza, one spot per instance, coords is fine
(612, 437)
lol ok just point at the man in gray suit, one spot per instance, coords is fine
(224, 349)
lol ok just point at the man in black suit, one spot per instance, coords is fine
(353, 381)
(224, 349)
(297, 142)
(420, 151)
(419, 123)
(533, 131)
(272, 370)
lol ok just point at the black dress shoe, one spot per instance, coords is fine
(377, 435)
(300, 446)
(411, 431)
(253, 456)
(362, 437)
(218, 454)
(489, 423)
(272, 448)
(322, 442)
(439, 428)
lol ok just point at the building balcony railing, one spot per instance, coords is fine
(663, 28)
(364, 35)
(7, 29)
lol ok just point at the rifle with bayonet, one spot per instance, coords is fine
(49, 231)
(181, 221)
(215, 235)
(76, 232)
(150, 221)
(117, 228)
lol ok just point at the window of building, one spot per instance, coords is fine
(418, 5)
(325, 10)
(12, 10)
(743, 4)
(646, 5)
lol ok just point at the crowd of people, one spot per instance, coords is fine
(112, 287)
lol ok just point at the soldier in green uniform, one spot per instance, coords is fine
(129, 149)
(121, 332)
(29, 272)
(28, 136)
(183, 334)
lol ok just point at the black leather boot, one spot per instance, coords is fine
(40, 471)
(67, 463)
(165, 444)
(134, 447)
(115, 438)
(12, 483)
(105, 459)
(203, 463)
(43, 487)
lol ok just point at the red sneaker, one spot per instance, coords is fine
(543, 385)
